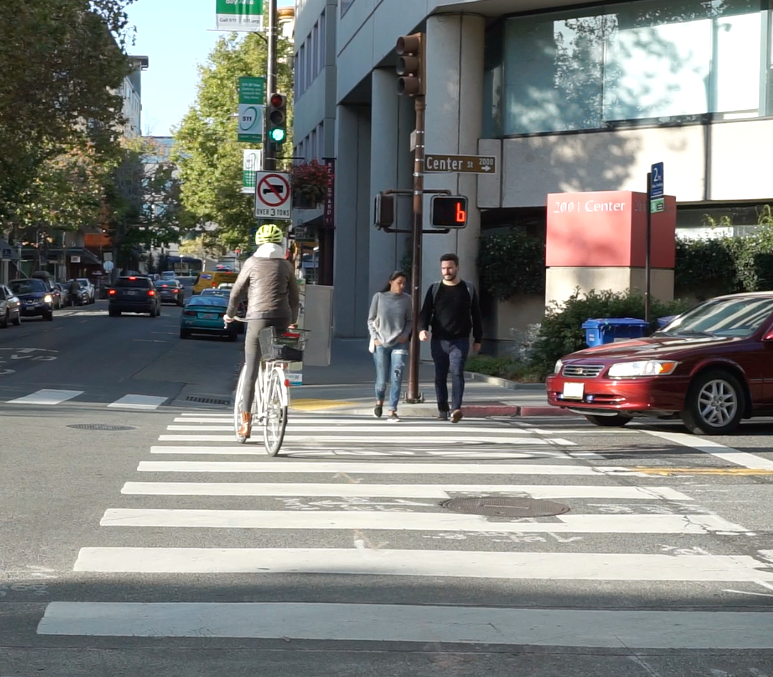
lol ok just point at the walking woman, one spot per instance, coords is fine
(390, 322)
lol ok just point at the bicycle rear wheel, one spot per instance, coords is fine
(275, 422)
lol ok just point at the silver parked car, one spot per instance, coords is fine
(86, 284)
(10, 308)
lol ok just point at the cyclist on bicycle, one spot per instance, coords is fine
(267, 279)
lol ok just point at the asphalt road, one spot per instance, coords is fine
(166, 549)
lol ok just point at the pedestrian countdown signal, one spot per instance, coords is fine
(448, 211)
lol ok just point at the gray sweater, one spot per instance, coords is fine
(392, 313)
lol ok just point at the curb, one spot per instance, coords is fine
(547, 411)
(503, 382)
(470, 411)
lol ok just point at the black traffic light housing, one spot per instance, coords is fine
(410, 64)
(448, 211)
(384, 216)
(276, 127)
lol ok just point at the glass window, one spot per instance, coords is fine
(322, 41)
(650, 60)
(314, 46)
(301, 68)
(345, 5)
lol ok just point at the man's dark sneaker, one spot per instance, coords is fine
(378, 410)
(393, 417)
(456, 416)
(442, 416)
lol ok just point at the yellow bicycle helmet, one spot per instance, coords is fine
(269, 233)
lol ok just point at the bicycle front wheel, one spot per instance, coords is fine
(238, 405)
(275, 421)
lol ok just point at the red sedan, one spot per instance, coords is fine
(711, 366)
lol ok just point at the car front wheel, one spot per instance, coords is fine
(715, 404)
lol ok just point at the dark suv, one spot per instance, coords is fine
(133, 294)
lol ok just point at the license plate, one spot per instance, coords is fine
(574, 391)
(209, 316)
(131, 293)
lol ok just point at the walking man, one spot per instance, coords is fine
(451, 310)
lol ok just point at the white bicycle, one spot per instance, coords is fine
(272, 388)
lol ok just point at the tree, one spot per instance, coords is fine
(144, 202)
(61, 64)
(208, 154)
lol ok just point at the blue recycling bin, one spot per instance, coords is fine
(663, 321)
(601, 331)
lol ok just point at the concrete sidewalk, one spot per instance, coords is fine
(346, 387)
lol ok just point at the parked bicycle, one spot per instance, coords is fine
(272, 388)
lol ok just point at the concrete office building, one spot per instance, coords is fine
(567, 96)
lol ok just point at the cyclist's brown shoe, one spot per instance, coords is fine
(246, 427)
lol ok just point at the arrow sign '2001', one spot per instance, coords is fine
(273, 195)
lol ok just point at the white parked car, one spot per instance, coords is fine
(89, 287)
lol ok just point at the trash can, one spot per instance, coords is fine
(601, 331)
(663, 321)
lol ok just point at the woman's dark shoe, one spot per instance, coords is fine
(442, 416)
(378, 410)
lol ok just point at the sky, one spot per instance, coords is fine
(174, 35)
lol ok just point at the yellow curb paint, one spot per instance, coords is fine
(318, 405)
(703, 471)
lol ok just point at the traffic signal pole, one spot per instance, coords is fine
(414, 396)
(269, 148)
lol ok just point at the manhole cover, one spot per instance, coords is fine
(207, 400)
(505, 507)
(99, 426)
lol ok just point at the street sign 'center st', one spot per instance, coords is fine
(463, 164)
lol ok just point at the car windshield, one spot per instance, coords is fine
(208, 301)
(83, 283)
(26, 286)
(722, 317)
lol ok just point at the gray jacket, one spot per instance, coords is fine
(270, 288)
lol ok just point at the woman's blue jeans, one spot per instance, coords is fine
(389, 368)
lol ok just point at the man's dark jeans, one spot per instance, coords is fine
(449, 356)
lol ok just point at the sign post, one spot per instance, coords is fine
(655, 187)
(273, 195)
(252, 93)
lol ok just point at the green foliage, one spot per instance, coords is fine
(561, 331)
(206, 149)
(511, 263)
(509, 368)
(726, 264)
(60, 64)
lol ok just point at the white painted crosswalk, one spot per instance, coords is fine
(380, 520)
(49, 397)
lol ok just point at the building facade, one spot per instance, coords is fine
(569, 97)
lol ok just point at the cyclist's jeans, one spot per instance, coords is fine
(449, 356)
(252, 355)
(390, 363)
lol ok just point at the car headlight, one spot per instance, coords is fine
(48, 298)
(642, 368)
(558, 367)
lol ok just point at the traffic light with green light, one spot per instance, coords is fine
(277, 118)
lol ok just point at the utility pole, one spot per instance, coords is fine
(420, 105)
(411, 69)
(269, 148)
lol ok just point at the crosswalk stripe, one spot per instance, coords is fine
(563, 566)
(618, 629)
(476, 453)
(138, 402)
(47, 397)
(299, 467)
(402, 439)
(292, 427)
(437, 491)
(414, 521)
